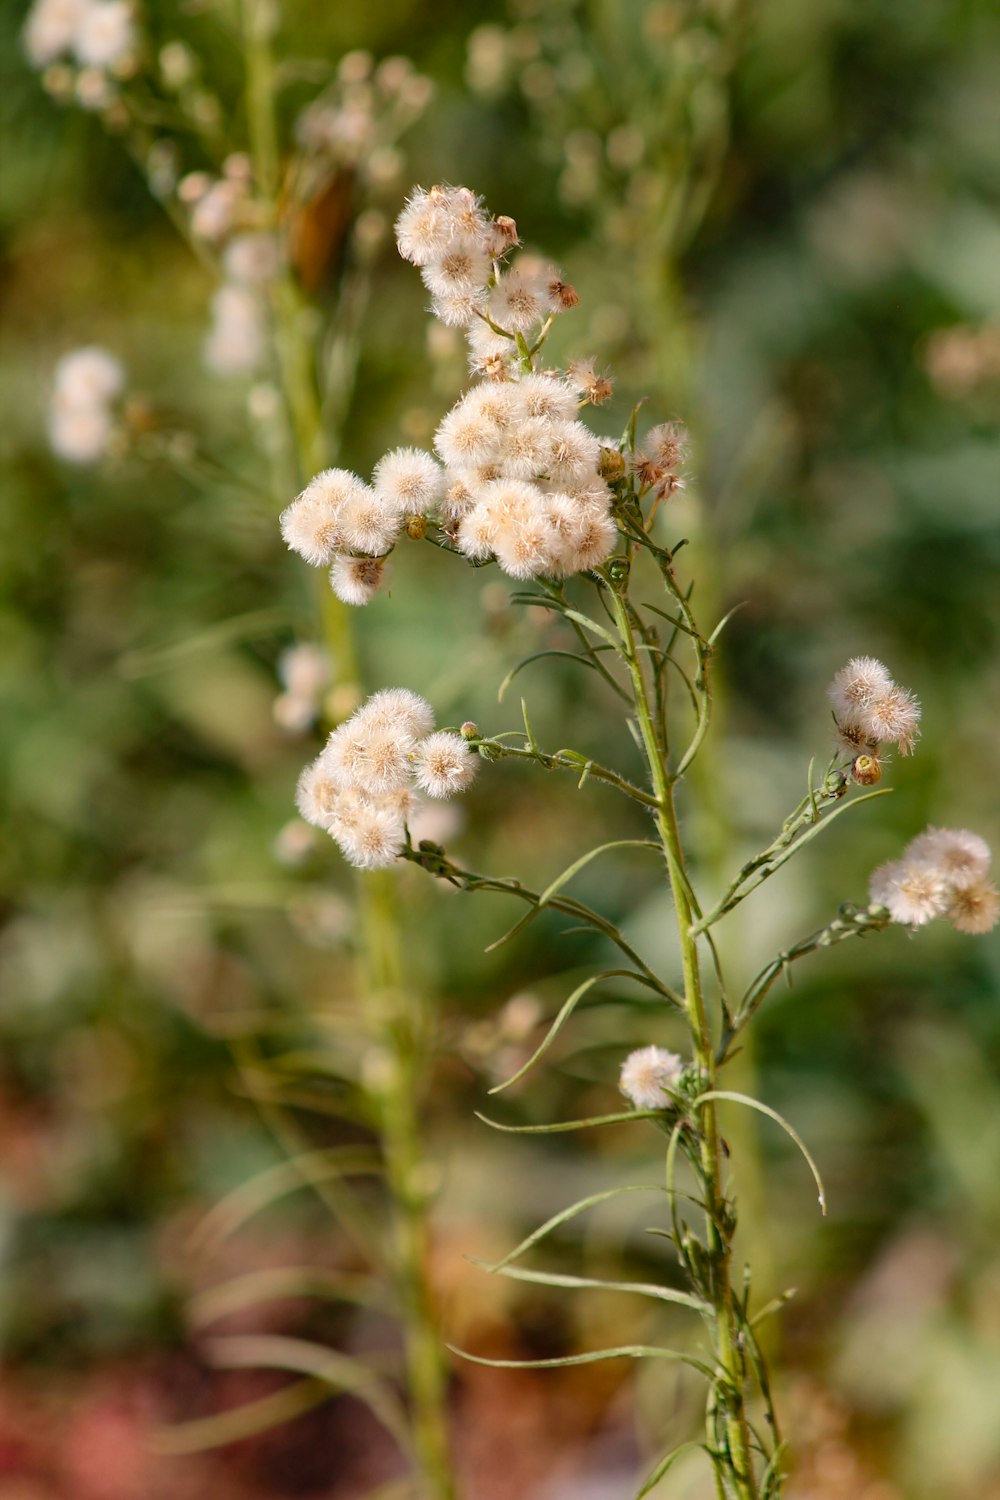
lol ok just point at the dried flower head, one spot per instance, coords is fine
(975, 908)
(356, 580)
(408, 480)
(870, 709)
(961, 857)
(311, 525)
(649, 1075)
(445, 764)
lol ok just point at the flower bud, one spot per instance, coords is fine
(469, 731)
(866, 770)
(611, 465)
(416, 527)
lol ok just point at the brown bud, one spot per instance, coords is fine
(416, 527)
(866, 770)
(506, 229)
(611, 465)
(563, 295)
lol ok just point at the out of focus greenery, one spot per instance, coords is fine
(819, 302)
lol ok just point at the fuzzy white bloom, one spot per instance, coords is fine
(408, 481)
(397, 709)
(462, 269)
(105, 35)
(521, 297)
(975, 908)
(870, 708)
(80, 435)
(445, 765)
(251, 259)
(539, 395)
(648, 1075)
(235, 342)
(311, 525)
(317, 793)
(214, 211)
(466, 437)
(432, 219)
(913, 893)
(88, 377)
(369, 758)
(574, 452)
(374, 838)
(458, 309)
(356, 580)
(585, 535)
(368, 524)
(304, 670)
(81, 424)
(961, 857)
(50, 29)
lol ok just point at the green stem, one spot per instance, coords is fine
(739, 1458)
(387, 1013)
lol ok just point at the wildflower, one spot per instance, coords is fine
(649, 1076)
(356, 580)
(251, 259)
(912, 893)
(81, 422)
(50, 29)
(445, 765)
(462, 268)
(539, 395)
(520, 298)
(374, 838)
(316, 793)
(235, 343)
(397, 708)
(975, 908)
(942, 871)
(305, 672)
(370, 758)
(311, 524)
(583, 377)
(408, 481)
(105, 34)
(870, 708)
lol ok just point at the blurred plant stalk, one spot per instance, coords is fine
(395, 1018)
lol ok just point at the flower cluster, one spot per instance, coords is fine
(81, 415)
(871, 710)
(649, 1077)
(942, 872)
(96, 34)
(362, 787)
(516, 476)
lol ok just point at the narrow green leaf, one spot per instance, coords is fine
(519, 926)
(625, 1351)
(775, 1305)
(529, 732)
(564, 1125)
(242, 1421)
(555, 1278)
(772, 1114)
(563, 1016)
(565, 1214)
(725, 621)
(578, 865)
(592, 625)
(663, 1467)
(539, 656)
(278, 1181)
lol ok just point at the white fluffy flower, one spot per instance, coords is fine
(80, 435)
(975, 908)
(526, 449)
(369, 525)
(461, 269)
(235, 342)
(961, 857)
(304, 670)
(397, 709)
(356, 580)
(251, 259)
(371, 759)
(648, 1075)
(373, 839)
(317, 793)
(538, 395)
(88, 377)
(870, 708)
(105, 34)
(408, 480)
(520, 298)
(444, 764)
(50, 29)
(311, 525)
(913, 893)
(573, 453)
(467, 436)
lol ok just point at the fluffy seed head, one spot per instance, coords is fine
(368, 758)
(373, 839)
(961, 857)
(317, 793)
(549, 396)
(356, 580)
(462, 268)
(467, 436)
(648, 1075)
(88, 377)
(975, 908)
(444, 765)
(311, 524)
(912, 892)
(892, 717)
(574, 453)
(520, 299)
(408, 480)
(398, 710)
(855, 685)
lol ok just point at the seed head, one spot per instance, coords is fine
(649, 1075)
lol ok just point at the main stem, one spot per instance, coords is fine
(740, 1475)
(387, 1003)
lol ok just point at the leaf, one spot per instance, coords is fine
(242, 1421)
(278, 1181)
(577, 865)
(538, 656)
(725, 621)
(772, 1114)
(564, 1125)
(565, 1214)
(277, 1282)
(555, 1278)
(775, 1305)
(592, 625)
(529, 732)
(565, 1011)
(339, 1371)
(624, 1351)
(663, 1467)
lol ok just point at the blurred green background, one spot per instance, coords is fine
(784, 223)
